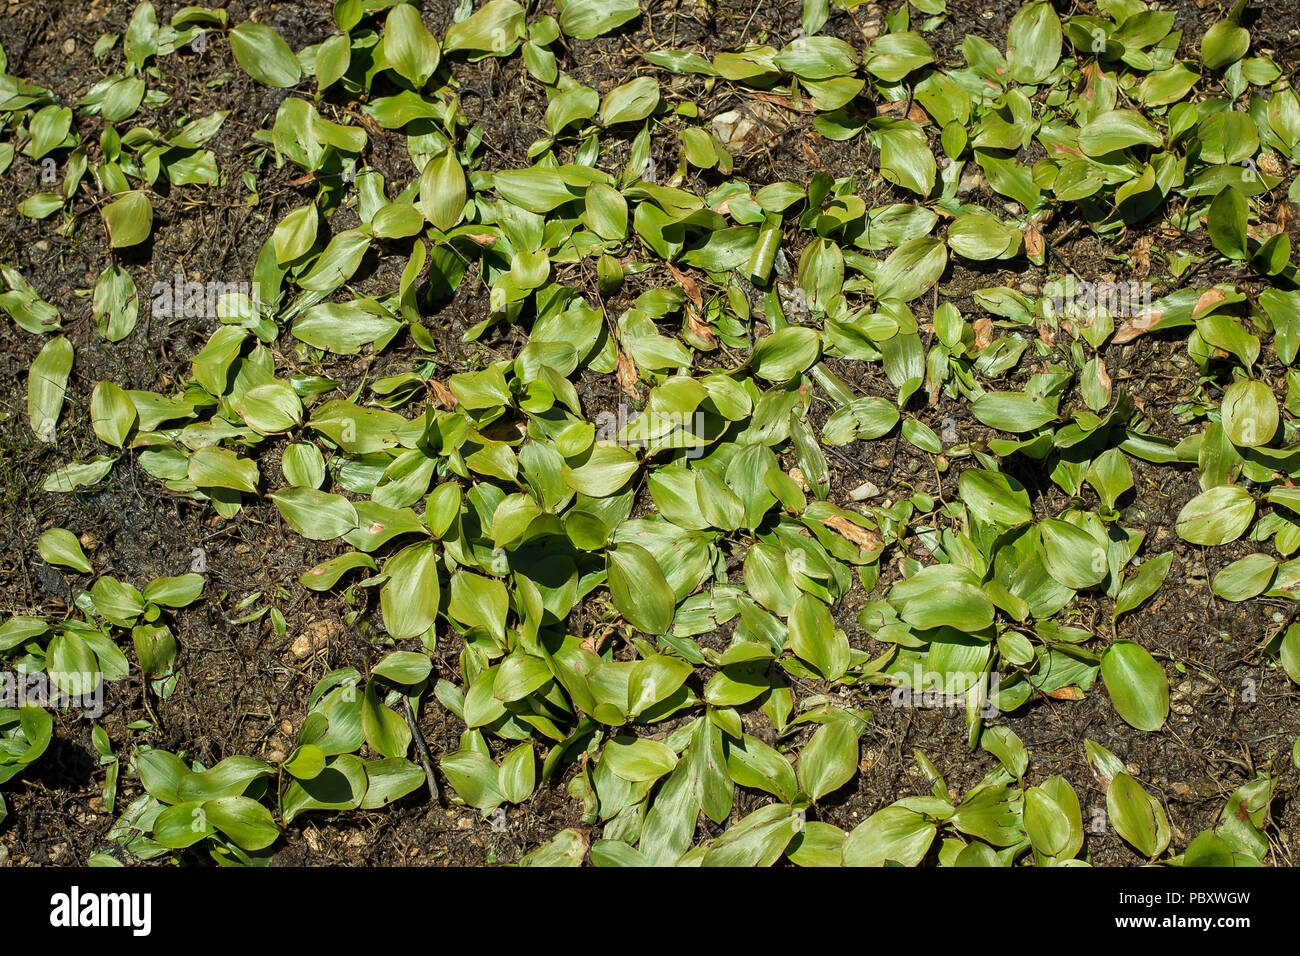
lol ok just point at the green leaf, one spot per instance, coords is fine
(214, 467)
(894, 55)
(47, 382)
(1216, 516)
(1137, 685)
(270, 409)
(1012, 411)
(566, 848)
(409, 599)
(295, 235)
(994, 497)
(1250, 413)
(316, 514)
(639, 589)
(496, 28)
(403, 667)
(517, 777)
(830, 758)
(115, 305)
(390, 779)
(653, 680)
(475, 779)
(1033, 43)
(129, 219)
(630, 102)
(342, 785)
(248, 824)
(263, 55)
(585, 19)
(943, 596)
(386, 732)
(409, 48)
(892, 835)
(1143, 583)
(1226, 222)
(638, 759)
(815, 639)
(905, 156)
(1072, 556)
(606, 470)
(1224, 44)
(1245, 578)
(180, 591)
(1115, 130)
(61, 547)
(1136, 817)
(757, 840)
(231, 777)
(112, 414)
(911, 269)
(442, 190)
(785, 353)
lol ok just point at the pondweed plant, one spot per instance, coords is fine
(483, 502)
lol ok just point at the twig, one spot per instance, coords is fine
(422, 748)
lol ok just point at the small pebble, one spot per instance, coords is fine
(864, 491)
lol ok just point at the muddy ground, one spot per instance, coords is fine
(243, 690)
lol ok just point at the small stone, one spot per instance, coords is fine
(89, 541)
(465, 823)
(731, 128)
(4, 855)
(315, 636)
(1269, 165)
(970, 182)
(69, 46)
(864, 491)
(42, 245)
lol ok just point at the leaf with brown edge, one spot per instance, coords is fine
(1103, 377)
(700, 329)
(864, 538)
(443, 394)
(688, 284)
(1210, 300)
(627, 376)
(1034, 245)
(1065, 693)
(1136, 325)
